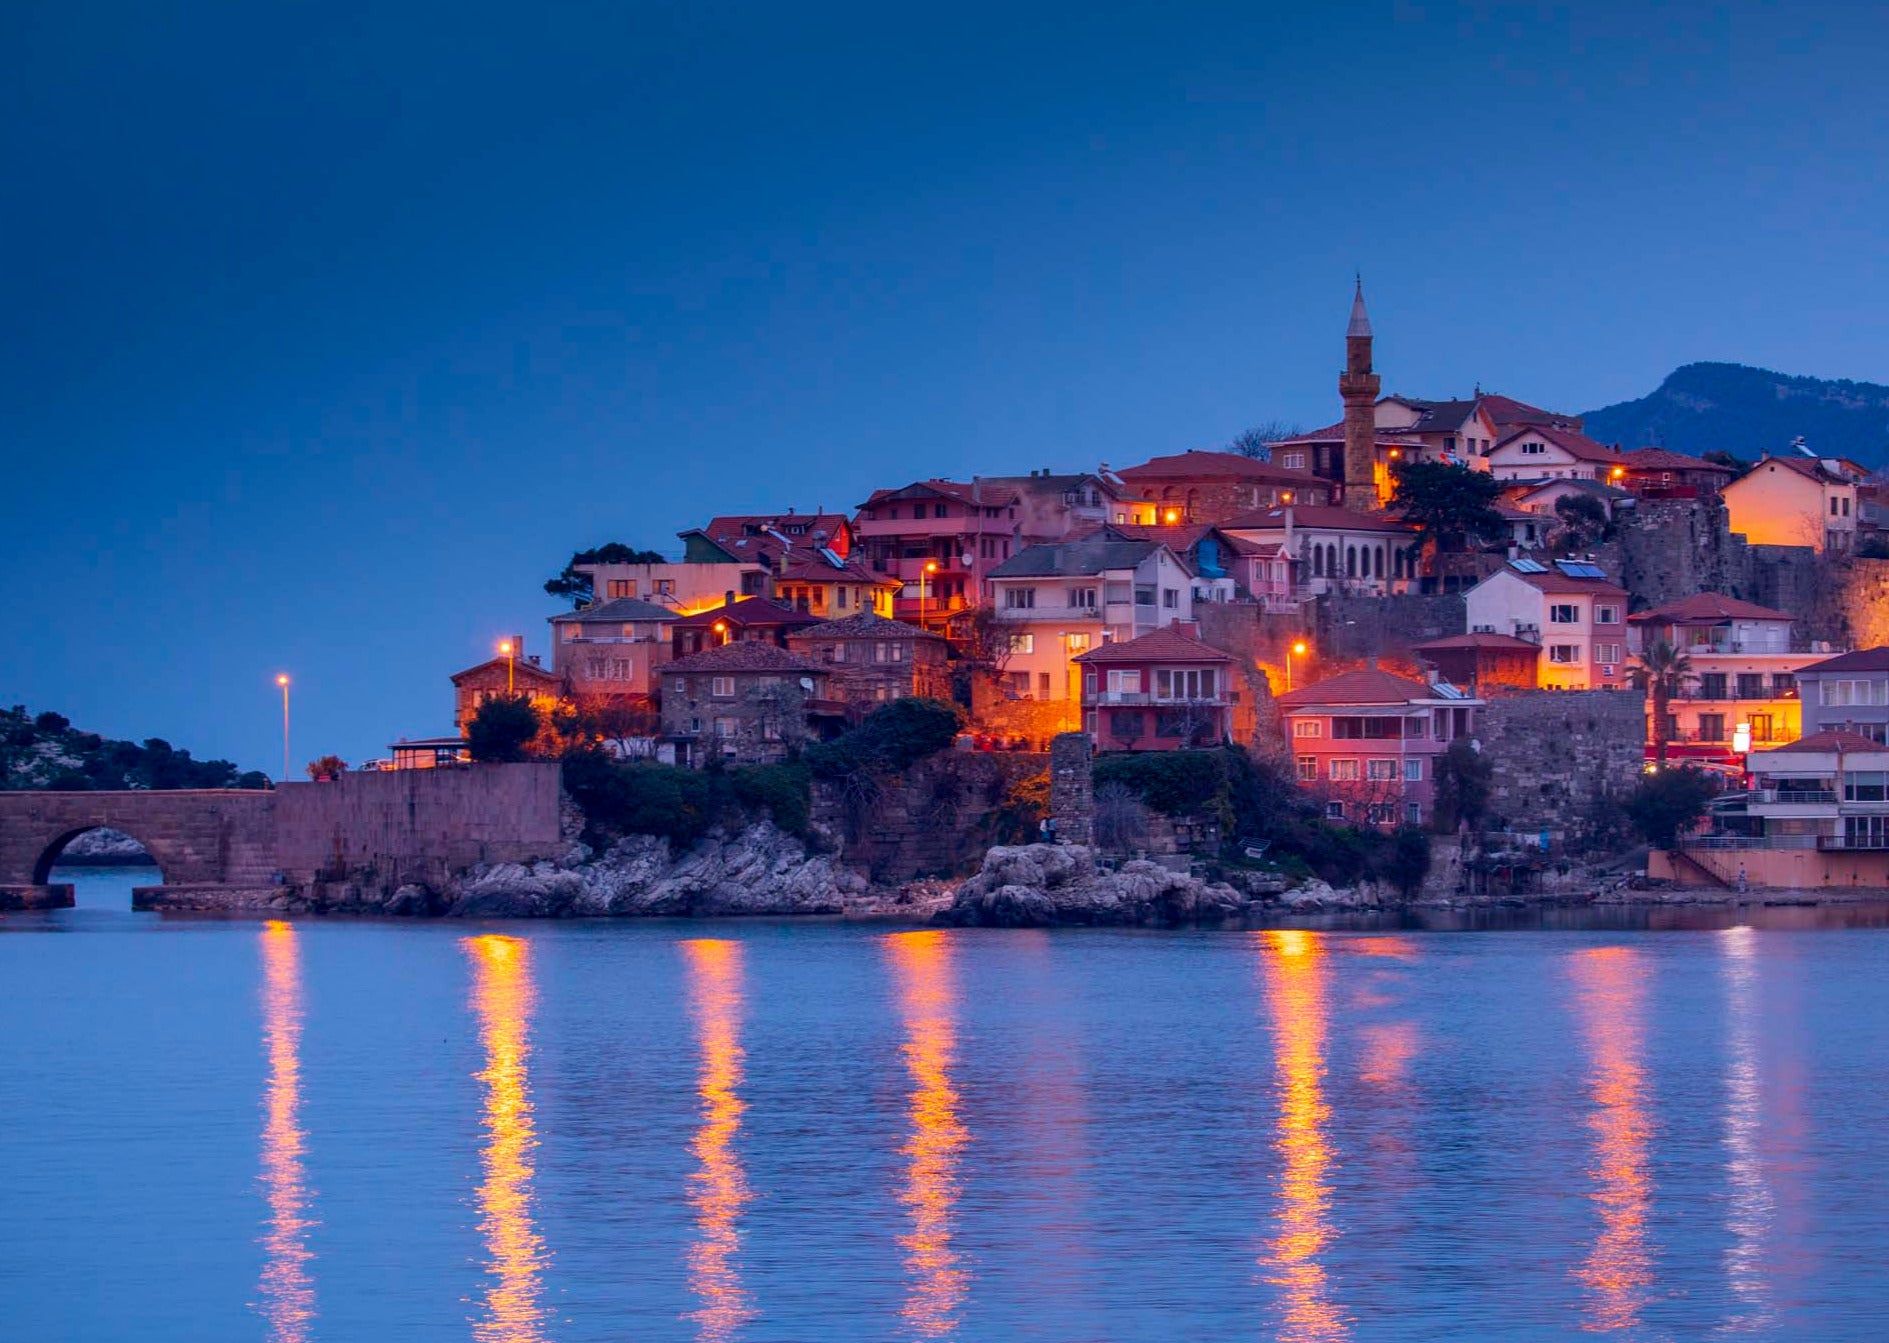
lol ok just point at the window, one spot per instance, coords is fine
(1413, 770)
(840, 598)
(1116, 594)
(1308, 769)
(1083, 599)
(1761, 727)
(1856, 692)
(1833, 507)
(1712, 685)
(678, 685)
(1171, 598)
(1042, 685)
(1124, 682)
(1750, 685)
(1293, 461)
(1534, 449)
(725, 727)
(721, 687)
(1023, 643)
(1126, 724)
(1568, 655)
(939, 511)
(1865, 786)
(1334, 811)
(1078, 643)
(1564, 613)
(1344, 771)
(1380, 771)
(1606, 615)
(1020, 599)
(572, 632)
(1380, 813)
(1783, 683)
(1607, 653)
(1144, 596)
(1711, 727)
(1308, 727)
(620, 669)
(620, 587)
(1413, 813)
(664, 587)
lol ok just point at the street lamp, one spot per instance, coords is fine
(931, 567)
(283, 681)
(511, 661)
(1296, 650)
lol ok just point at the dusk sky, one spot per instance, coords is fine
(332, 330)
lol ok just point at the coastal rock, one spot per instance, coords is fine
(1040, 885)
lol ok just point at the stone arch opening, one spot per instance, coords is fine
(96, 846)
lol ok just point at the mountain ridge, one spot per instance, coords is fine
(1748, 412)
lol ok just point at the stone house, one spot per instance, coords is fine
(1054, 506)
(1201, 486)
(517, 674)
(870, 659)
(1568, 607)
(1795, 501)
(612, 648)
(748, 703)
(1485, 663)
(737, 620)
(1162, 691)
(1366, 743)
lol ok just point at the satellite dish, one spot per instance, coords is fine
(965, 561)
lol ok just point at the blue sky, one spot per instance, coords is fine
(332, 330)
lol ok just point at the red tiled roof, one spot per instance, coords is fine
(1576, 445)
(743, 657)
(748, 611)
(522, 671)
(1556, 581)
(1703, 607)
(1804, 466)
(1506, 411)
(1335, 433)
(1328, 516)
(1166, 644)
(732, 533)
(865, 625)
(1862, 660)
(1824, 741)
(1357, 687)
(1200, 464)
(974, 495)
(813, 569)
(1481, 639)
(1659, 459)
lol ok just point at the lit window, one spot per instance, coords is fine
(1380, 771)
(721, 687)
(1344, 771)
(1308, 727)
(1567, 655)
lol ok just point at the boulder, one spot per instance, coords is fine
(1041, 885)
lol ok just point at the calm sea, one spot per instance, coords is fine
(810, 1131)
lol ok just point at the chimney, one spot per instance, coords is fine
(728, 597)
(518, 647)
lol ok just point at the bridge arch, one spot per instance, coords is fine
(56, 849)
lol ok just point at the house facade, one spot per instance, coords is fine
(1458, 432)
(870, 659)
(1162, 691)
(1486, 664)
(612, 648)
(823, 585)
(1053, 603)
(1569, 608)
(1334, 549)
(1846, 693)
(1201, 486)
(1366, 743)
(1741, 690)
(680, 587)
(1655, 473)
(749, 703)
(1794, 501)
(1547, 452)
(1055, 506)
(736, 620)
(1826, 791)
(501, 678)
(939, 539)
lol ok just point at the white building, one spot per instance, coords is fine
(1548, 452)
(1569, 608)
(1334, 549)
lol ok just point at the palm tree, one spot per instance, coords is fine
(1662, 671)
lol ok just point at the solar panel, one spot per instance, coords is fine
(1527, 566)
(1580, 569)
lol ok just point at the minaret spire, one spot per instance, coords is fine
(1358, 386)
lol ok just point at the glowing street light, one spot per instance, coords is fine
(1173, 516)
(511, 662)
(283, 681)
(1297, 649)
(931, 567)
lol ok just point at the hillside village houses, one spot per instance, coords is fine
(1151, 606)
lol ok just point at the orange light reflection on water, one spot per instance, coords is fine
(1295, 997)
(288, 1292)
(1752, 1207)
(502, 998)
(719, 1189)
(1610, 995)
(922, 972)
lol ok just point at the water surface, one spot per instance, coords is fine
(357, 1130)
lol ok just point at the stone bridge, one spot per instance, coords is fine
(375, 831)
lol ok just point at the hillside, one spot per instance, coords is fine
(1750, 411)
(44, 751)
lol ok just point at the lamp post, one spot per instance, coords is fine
(931, 567)
(1297, 649)
(511, 661)
(283, 681)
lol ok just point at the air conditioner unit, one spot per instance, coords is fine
(1606, 671)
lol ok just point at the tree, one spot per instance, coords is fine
(1463, 782)
(1405, 860)
(1661, 670)
(1584, 521)
(1450, 506)
(326, 768)
(1257, 441)
(1668, 801)
(578, 586)
(624, 724)
(502, 729)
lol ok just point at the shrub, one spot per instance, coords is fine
(889, 739)
(1020, 810)
(1669, 801)
(682, 805)
(1174, 783)
(1463, 780)
(327, 767)
(501, 729)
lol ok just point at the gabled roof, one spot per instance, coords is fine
(1506, 643)
(1862, 660)
(1179, 538)
(616, 611)
(1437, 417)
(1328, 517)
(865, 625)
(520, 671)
(1659, 459)
(1202, 464)
(1335, 433)
(1577, 445)
(1069, 480)
(1506, 413)
(1357, 687)
(977, 494)
(1808, 467)
(763, 537)
(1706, 608)
(1091, 555)
(747, 611)
(804, 567)
(1599, 489)
(1823, 741)
(1552, 580)
(743, 657)
(1166, 644)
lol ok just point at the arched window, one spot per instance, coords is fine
(1331, 559)
(1351, 561)
(1318, 561)
(1377, 562)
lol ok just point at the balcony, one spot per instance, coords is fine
(1144, 699)
(1755, 841)
(1796, 797)
(1731, 695)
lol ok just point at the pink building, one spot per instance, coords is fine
(940, 537)
(1366, 743)
(1164, 691)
